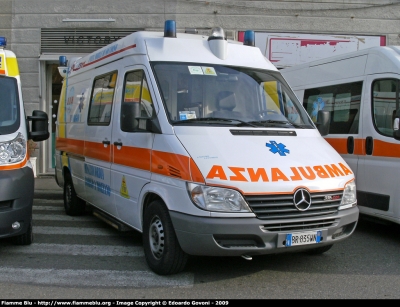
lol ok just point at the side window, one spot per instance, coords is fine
(136, 102)
(341, 100)
(102, 99)
(385, 102)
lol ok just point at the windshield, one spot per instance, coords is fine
(9, 105)
(204, 94)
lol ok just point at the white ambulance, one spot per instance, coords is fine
(361, 91)
(16, 173)
(198, 143)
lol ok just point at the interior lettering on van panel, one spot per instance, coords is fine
(275, 174)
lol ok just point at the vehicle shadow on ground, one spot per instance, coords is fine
(373, 248)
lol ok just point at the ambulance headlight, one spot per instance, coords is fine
(349, 198)
(217, 199)
(13, 151)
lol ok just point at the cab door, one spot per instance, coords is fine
(97, 147)
(132, 144)
(379, 168)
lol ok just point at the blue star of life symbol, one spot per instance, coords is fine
(274, 147)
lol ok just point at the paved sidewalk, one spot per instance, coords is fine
(46, 183)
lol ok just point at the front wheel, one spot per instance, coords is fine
(72, 203)
(161, 247)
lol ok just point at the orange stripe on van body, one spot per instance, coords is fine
(159, 162)
(340, 145)
(97, 151)
(380, 148)
(84, 148)
(385, 149)
(70, 145)
(359, 147)
(168, 164)
(14, 166)
(133, 157)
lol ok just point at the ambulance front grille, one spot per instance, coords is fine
(278, 206)
(300, 225)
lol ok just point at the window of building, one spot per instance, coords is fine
(341, 100)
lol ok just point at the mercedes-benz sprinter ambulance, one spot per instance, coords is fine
(361, 91)
(16, 173)
(200, 144)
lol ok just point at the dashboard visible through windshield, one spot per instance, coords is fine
(204, 94)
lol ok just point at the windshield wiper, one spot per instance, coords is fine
(271, 122)
(214, 119)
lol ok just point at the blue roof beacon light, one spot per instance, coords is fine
(62, 60)
(62, 68)
(249, 38)
(3, 42)
(170, 28)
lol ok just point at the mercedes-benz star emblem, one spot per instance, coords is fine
(302, 199)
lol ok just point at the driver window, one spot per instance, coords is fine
(137, 102)
(385, 100)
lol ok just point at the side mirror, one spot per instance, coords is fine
(323, 122)
(149, 124)
(39, 127)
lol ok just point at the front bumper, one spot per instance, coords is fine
(16, 200)
(252, 236)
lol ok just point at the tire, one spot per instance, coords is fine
(319, 250)
(72, 203)
(161, 247)
(25, 238)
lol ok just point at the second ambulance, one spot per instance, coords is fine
(199, 143)
(16, 171)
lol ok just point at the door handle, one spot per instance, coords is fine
(118, 143)
(369, 145)
(350, 145)
(105, 142)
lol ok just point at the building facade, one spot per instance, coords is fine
(39, 31)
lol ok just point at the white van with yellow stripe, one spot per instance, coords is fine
(198, 143)
(16, 174)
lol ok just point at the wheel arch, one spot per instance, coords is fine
(148, 198)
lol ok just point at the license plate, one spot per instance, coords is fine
(303, 238)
